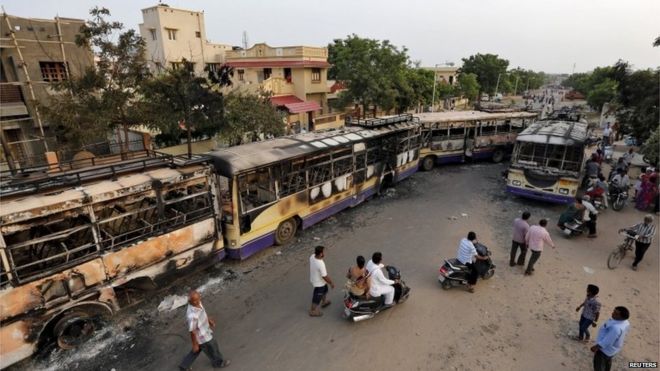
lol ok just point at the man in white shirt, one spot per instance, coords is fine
(589, 215)
(621, 180)
(379, 284)
(320, 280)
(201, 335)
(466, 254)
(606, 135)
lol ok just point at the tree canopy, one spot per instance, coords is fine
(247, 116)
(100, 100)
(468, 85)
(487, 68)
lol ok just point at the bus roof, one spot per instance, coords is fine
(555, 132)
(458, 116)
(49, 202)
(233, 160)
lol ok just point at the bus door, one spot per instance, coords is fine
(470, 135)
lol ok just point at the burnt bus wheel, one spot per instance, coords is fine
(498, 156)
(73, 329)
(286, 231)
(427, 163)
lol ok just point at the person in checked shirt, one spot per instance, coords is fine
(201, 335)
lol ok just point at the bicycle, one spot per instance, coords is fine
(619, 253)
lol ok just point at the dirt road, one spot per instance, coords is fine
(512, 322)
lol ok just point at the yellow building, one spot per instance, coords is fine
(172, 35)
(296, 76)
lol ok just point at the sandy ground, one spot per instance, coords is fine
(512, 322)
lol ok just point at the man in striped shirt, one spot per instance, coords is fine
(645, 233)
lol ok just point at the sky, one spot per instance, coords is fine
(554, 36)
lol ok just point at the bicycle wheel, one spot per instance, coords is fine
(616, 257)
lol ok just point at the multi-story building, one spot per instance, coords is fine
(444, 74)
(295, 76)
(34, 54)
(172, 35)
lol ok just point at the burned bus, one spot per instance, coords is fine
(73, 254)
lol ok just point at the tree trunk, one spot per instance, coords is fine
(188, 139)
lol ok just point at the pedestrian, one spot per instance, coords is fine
(610, 339)
(201, 328)
(590, 313)
(628, 157)
(646, 193)
(536, 237)
(606, 135)
(520, 228)
(320, 280)
(589, 216)
(645, 232)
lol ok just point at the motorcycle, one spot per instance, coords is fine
(574, 228)
(453, 273)
(618, 197)
(360, 308)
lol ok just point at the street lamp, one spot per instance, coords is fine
(435, 79)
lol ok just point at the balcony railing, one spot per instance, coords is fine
(278, 86)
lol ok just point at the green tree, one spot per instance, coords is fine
(101, 99)
(374, 72)
(468, 86)
(651, 148)
(179, 99)
(417, 91)
(487, 68)
(602, 93)
(638, 97)
(248, 115)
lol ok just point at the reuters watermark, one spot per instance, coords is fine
(642, 364)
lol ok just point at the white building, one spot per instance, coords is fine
(172, 35)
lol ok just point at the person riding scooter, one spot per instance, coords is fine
(378, 284)
(466, 254)
(573, 212)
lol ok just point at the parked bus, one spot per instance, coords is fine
(71, 255)
(449, 137)
(284, 184)
(548, 159)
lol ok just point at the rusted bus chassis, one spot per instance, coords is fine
(74, 254)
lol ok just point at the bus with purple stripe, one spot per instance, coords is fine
(276, 187)
(548, 159)
(453, 137)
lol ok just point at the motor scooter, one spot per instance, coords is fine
(360, 308)
(574, 228)
(453, 273)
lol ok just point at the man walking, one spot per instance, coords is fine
(520, 228)
(610, 339)
(201, 335)
(645, 233)
(320, 280)
(536, 237)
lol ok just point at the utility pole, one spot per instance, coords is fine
(515, 90)
(498, 83)
(435, 79)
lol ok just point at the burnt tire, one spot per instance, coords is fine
(286, 231)
(427, 163)
(73, 329)
(498, 156)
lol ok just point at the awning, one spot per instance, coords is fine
(303, 107)
(294, 104)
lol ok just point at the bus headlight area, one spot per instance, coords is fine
(563, 191)
(516, 183)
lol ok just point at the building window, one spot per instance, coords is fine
(451, 80)
(171, 33)
(287, 75)
(316, 75)
(198, 34)
(241, 75)
(267, 73)
(153, 33)
(53, 71)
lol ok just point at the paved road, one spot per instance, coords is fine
(511, 322)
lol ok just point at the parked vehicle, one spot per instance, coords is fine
(619, 253)
(574, 228)
(360, 308)
(453, 273)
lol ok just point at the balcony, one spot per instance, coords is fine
(278, 86)
(11, 101)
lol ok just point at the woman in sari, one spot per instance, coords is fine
(646, 192)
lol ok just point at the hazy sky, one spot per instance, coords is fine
(543, 35)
